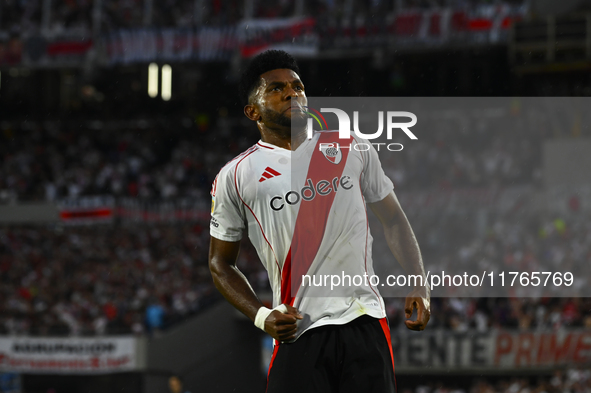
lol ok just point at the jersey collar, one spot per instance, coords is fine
(268, 145)
(274, 147)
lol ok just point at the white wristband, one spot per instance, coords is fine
(263, 313)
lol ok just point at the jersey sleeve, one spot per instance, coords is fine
(375, 185)
(227, 217)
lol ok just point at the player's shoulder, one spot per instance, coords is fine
(230, 166)
(227, 174)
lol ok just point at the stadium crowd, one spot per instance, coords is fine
(446, 155)
(115, 278)
(514, 244)
(28, 16)
(102, 279)
(50, 161)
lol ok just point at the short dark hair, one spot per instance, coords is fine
(266, 61)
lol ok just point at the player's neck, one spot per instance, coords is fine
(288, 142)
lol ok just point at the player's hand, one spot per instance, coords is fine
(419, 298)
(282, 327)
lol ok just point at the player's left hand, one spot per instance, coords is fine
(419, 298)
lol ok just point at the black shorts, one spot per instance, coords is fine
(351, 358)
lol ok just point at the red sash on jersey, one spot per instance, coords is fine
(312, 218)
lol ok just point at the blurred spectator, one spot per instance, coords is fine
(154, 316)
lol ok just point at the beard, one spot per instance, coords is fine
(278, 120)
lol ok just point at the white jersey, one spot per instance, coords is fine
(305, 214)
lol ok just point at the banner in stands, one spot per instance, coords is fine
(85, 210)
(68, 355)
(143, 45)
(296, 35)
(301, 36)
(67, 50)
(436, 351)
(483, 24)
(181, 210)
(442, 351)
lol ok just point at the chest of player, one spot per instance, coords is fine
(286, 187)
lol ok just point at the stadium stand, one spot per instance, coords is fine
(53, 160)
(108, 289)
(49, 161)
(28, 16)
(102, 280)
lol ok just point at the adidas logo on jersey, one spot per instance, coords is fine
(269, 173)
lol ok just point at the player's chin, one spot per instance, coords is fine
(298, 119)
(295, 112)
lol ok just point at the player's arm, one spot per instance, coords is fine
(234, 286)
(403, 244)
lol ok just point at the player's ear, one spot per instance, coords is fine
(252, 112)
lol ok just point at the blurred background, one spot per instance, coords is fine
(116, 115)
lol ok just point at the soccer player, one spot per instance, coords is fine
(304, 208)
